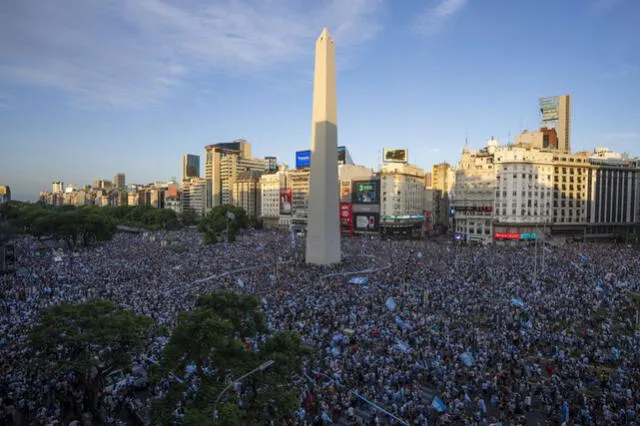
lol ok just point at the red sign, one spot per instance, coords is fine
(285, 200)
(346, 214)
(428, 224)
(506, 235)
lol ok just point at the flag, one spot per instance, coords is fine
(467, 359)
(438, 405)
(403, 324)
(517, 302)
(390, 304)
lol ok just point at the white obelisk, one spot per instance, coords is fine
(323, 228)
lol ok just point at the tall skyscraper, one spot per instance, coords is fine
(190, 166)
(323, 229)
(119, 181)
(555, 113)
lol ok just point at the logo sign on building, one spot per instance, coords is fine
(285, 201)
(303, 159)
(365, 192)
(346, 214)
(506, 235)
(395, 155)
(369, 222)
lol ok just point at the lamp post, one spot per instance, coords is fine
(261, 367)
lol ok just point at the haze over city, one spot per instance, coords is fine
(91, 89)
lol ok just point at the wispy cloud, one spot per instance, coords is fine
(620, 136)
(123, 53)
(433, 20)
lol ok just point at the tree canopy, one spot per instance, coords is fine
(219, 340)
(82, 225)
(220, 219)
(94, 338)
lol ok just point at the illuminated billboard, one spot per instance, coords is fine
(395, 155)
(285, 201)
(303, 159)
(366, 222)
(365, 192)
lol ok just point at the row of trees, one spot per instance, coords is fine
(80, 226)
(210, 341)
(75, 226)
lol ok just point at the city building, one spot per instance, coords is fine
(272, 164)
(119, 181)
(402, 193)
(223, 162)
(544, 139)
(194, 195)
(523, 198)
(57, 187)
(402, 190)
(246, 192)
(190, 167)
(555, 113)
(521, 192)
(275, 199)
(298, 179)
(474, 189)
(428, 180)
(443, 177)
(613, 186)
(5, 194)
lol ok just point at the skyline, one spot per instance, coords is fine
(170, 81)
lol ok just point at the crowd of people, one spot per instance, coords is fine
(404, 332)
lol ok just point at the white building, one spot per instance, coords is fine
(524, 186)
(474, 191)
(270, 186)
(402, 190)
(194, 195)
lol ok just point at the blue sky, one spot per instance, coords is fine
(92, 88)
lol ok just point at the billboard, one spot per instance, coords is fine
(365, 192)
(366, 221)
(303, 159)
(346, 214)
(395, 155)
(285, 200)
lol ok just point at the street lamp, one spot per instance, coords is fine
(261, 367)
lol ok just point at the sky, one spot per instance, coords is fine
(92, 88)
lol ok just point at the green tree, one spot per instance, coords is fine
(220, 219)
(212, 340)
(96, 337)
(189, 217)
